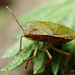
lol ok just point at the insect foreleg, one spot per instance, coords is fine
(34, 54)
(60, 51)
(49, 55)
(32, 31)
(21, 43)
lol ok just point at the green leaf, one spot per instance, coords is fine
(20, 59)
(39, 64)
(40, 59)
(55, 62)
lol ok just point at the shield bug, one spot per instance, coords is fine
(47, 32)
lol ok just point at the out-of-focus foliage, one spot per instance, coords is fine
(3, 17)
(59, 11)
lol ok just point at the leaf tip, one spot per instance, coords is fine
(5, 69)
(34, 72)
(2, 69)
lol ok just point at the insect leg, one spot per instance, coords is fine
(32, 31)
(60, 51)
(49, 55)
(21, 43)
(34, 54)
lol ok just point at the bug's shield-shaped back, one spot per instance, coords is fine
(49, 28)
(38, 28)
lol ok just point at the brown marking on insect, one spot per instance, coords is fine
(32, 31)
(69, 37)
(47, 38)
(73, 37)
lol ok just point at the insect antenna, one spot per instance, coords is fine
(14, 17)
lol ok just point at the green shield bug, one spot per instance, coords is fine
(47, 32)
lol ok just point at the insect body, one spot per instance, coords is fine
(47, 32)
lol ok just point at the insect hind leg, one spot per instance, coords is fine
(60, 51)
